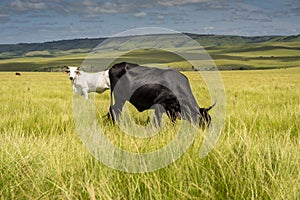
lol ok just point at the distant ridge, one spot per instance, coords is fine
(229, 52)
(89, 43)
(60, 45)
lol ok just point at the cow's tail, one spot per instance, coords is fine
(205, 118)
(210, 107)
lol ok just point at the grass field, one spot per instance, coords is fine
(265, 55)
(256, 157)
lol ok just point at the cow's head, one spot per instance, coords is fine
(73, 72)
(205, 118)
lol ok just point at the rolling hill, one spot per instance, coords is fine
(228, 52)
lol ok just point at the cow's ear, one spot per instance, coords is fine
(67, 71)
(78, 72)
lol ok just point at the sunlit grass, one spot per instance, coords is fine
(256, 157)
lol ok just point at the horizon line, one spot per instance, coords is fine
(106, 37)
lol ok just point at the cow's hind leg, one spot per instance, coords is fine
(172, 115)
(158, 111)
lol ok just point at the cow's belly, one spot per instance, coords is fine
(147, 96)
(142, 102)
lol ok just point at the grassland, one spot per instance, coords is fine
(256, 157)
(228, 52)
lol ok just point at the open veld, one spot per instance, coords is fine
(256, 157)
(228, 52)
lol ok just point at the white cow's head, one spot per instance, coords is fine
(73, 72)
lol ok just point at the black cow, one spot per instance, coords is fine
(18, 74)
(165, 90)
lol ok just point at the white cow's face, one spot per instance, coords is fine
(73, 72)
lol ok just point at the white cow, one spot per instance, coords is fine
(84, 83)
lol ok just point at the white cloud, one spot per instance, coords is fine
(179, 2)
(25, 6)
(208, 28)
(160, 17)
(140, 14)
(218, 16)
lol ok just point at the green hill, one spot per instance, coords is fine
(228, 52)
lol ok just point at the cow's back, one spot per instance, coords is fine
(149, 86)
(118, 70)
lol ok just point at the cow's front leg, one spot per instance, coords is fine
(85, 94)
(115, 111)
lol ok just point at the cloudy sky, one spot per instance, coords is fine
(48, 20)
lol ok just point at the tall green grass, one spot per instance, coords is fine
(256, 157)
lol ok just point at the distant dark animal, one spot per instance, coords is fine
(18, 74)
(164, 90)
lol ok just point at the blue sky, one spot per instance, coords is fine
(39, 21)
